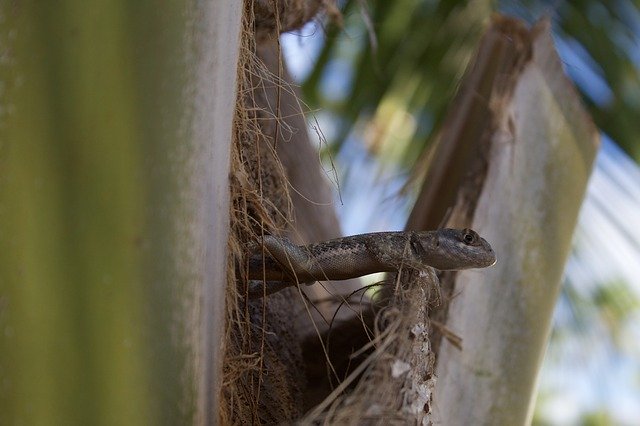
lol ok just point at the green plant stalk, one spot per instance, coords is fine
(97, 289)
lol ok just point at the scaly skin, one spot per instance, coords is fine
(357, 255)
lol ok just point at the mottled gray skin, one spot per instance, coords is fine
(357, 255)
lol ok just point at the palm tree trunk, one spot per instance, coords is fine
(522, 174)
(115, 129)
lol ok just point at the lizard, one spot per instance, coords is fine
(281, 263)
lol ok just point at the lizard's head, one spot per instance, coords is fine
(460, 249)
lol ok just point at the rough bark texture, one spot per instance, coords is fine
(278, 188)
(273, 17)
(263, 367)
(394, 382)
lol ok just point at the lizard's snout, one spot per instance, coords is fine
(489, 258)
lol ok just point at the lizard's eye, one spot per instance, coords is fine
(469, 236)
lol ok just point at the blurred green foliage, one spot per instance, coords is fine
(606, 36)
(401, 83)
(403, 60)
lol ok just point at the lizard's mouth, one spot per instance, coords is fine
(490, 256)
(493, 261)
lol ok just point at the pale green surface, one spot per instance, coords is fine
(538, 171)
(89, 127)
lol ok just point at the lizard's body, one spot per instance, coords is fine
(357, 255)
